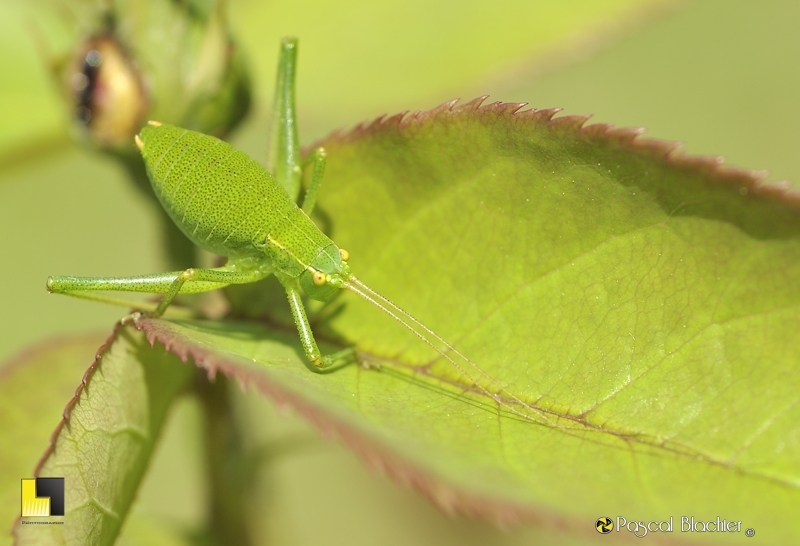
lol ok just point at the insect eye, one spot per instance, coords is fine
(319, 278)
(344, 254)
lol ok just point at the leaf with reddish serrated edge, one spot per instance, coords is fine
(631, 312)
(106, 438)
(33, 388)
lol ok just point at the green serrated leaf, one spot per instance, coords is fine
(631, 313)
(30, 408)
(105, 441)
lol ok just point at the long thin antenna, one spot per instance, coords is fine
(358, 287)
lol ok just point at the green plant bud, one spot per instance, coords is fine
(171, 61)
(107, 93)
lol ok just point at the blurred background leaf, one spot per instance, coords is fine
(109, 432)
(31, 408)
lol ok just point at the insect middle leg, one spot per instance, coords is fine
(319, 158)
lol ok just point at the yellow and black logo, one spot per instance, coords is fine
(42, 497)
(604, 525)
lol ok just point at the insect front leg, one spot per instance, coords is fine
(320, 362)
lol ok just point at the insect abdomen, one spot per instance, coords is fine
(218, 196)
(224, 201)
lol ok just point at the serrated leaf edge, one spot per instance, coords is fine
(377, 457)
(747, 181)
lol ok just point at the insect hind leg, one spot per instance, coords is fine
(190, 281)
(221, 276)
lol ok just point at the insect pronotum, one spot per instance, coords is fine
(228, 204)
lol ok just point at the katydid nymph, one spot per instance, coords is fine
(227, 203)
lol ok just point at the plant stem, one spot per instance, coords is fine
(228, 476)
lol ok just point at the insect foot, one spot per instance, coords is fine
(320, 363)
(133, 318)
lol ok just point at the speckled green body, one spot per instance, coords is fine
(227, 203)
